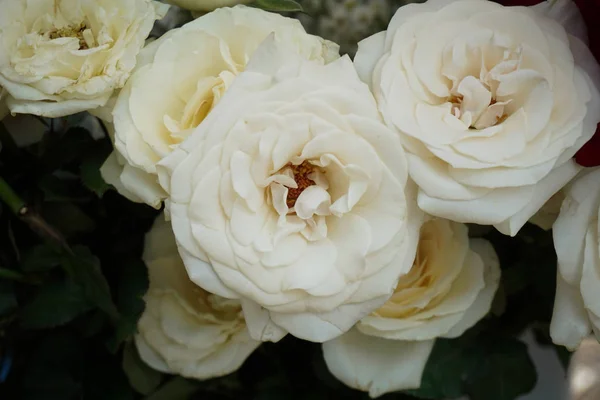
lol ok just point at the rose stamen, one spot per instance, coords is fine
(456, 110)
(301, 173)
(71, 31)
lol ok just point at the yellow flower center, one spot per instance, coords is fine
(71, 31)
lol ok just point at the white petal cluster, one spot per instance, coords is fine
(60, 57)
(184, 329)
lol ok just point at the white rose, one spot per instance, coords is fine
(449, 288)
(491, 103)
(577, 302)
(60, 57)
(291, 196)
(205, 5)
(184, 329)
(181, 77)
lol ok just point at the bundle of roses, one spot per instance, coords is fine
(308, 194)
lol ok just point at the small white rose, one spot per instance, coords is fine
(291, 196)
(184, 329)
(181, 77)
(60, 57)
(577, 302)
(491, 103)
(449, 288)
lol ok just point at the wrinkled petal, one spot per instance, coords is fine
(376, 365)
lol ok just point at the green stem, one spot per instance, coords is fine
(30, 217)
(12, 275)
(12, 200)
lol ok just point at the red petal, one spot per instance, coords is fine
(589, 154)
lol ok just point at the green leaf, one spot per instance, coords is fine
(67, 148)
(84, 268)
(53, 368)
(278, 5)
(503, 371)
(8, 301)
(68, 218)
(176, 389)
(104, 379)
(142, 378)
(89, 170)
(67, 188)
(447, 364)
(51, 385)
(133, 284)
(516, 279)
(55, 304)
(41, 258)
(564, 355)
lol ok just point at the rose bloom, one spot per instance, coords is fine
(589, 154)
(291, 196)
(180, 78)
(184, 329)
(60, 57)
(449, 288)
(205, 5)
(491, 103)
(577, 302)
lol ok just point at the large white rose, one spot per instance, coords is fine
(291, 196)
(577, 303)
(60, 57)
(184, 329)
(491, 103)
(449, 288)
(181, 77)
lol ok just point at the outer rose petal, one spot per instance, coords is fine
(376, 365)
(482, 304)
(547, 215)
(111, 172)
(205, 5)
(570, 323)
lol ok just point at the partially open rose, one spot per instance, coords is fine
(449, 288)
